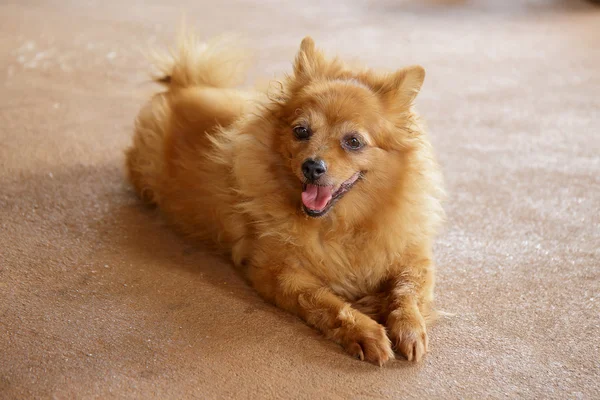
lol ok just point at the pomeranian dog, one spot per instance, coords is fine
(324, 192)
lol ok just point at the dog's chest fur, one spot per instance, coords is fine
(351, 265)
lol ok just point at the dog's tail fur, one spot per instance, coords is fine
(214, 65)
(219, 63)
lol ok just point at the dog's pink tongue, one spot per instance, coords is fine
(316, 197)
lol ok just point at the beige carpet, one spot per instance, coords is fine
(99, 300)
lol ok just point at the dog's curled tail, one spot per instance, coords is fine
(218, 63)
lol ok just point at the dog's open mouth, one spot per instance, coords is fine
(317, 200)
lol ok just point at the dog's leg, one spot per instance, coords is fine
(302, 294)
(409, 301)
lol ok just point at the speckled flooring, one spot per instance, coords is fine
(99, 300)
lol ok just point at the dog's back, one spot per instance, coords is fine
(171, 162)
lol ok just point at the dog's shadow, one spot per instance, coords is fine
(151, 236)
(163, 273)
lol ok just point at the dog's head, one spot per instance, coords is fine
(343, 132)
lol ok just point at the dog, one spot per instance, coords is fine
(323, 189)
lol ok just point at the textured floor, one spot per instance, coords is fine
(99, 300)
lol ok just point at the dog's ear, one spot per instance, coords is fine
(404, 84)
(309, 61)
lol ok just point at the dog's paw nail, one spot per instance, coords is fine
(371, 344)
(410, 340)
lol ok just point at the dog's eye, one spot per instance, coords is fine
(352, 142)
(302, 132)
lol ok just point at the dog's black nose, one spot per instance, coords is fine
(313, 169)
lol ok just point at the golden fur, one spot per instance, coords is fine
(224, 167)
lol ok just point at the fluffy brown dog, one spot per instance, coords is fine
(325, 193)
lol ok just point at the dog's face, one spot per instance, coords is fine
(342, 131)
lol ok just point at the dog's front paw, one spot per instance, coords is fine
(409, 336)
(369, 342)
